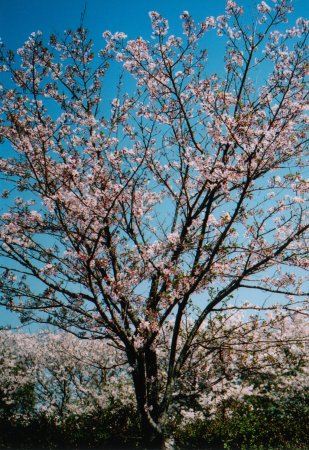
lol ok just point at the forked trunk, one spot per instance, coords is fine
(145, 379)
(152, 440)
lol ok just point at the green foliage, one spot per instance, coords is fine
(257, 423)
(115, 428)
(22, 401)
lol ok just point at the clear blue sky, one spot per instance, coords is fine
(18, 18)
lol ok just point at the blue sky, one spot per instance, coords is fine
(18, 18)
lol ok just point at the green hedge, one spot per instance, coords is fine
(256, 423)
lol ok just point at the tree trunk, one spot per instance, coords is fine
(145, 373)
(168, 443)
(151, 438)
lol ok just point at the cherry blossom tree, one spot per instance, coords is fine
(191, 187)
(69, 376)
(236, 357)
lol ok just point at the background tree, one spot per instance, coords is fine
(191, 185)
